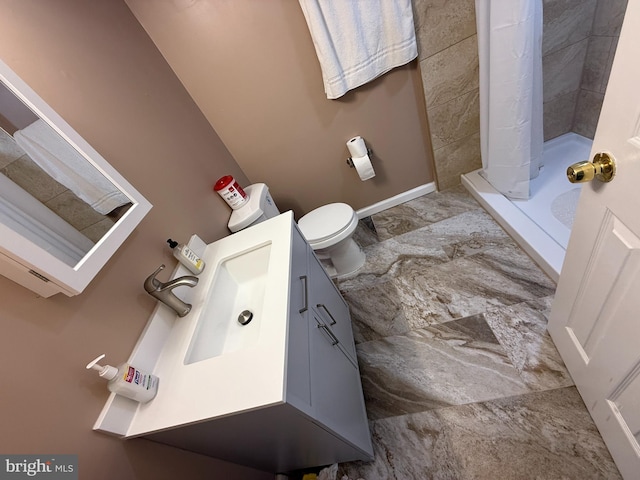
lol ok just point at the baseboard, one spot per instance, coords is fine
(396, 200)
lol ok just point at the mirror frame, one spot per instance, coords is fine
(28, 264)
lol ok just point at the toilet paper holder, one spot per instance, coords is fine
(350, 161)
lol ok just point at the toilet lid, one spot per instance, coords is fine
(325, 222)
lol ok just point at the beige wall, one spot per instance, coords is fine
(95, 65)
(252, 69)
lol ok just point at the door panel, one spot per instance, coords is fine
(595, 316)
(611, 262)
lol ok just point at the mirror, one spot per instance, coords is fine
(38, 165)
(63, 209)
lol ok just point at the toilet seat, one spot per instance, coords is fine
(327, 225)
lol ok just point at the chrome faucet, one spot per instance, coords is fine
(163, 291)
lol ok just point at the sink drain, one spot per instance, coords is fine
(245, 317)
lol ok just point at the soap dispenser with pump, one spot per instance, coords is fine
(187, 257)
(126, 380)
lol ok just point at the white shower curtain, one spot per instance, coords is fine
(510, 54)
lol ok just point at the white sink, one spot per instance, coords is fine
(238, 288)
(209, 364)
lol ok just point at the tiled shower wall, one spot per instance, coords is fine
(603, 41)
(448, 56)
(579, 40)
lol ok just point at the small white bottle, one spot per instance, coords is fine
(126, 380)
(187, 257)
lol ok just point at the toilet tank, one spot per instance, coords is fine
(259, 208)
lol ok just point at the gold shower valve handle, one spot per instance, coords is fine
(602, 168)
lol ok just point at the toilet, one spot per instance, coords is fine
(259, 208)
(328, 229)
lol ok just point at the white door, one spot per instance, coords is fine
(595, 319)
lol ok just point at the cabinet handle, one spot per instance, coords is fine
(334, 339)
(333, 320)
(305, 307)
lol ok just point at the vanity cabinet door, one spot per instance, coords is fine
(298, 388)
(322, 351)
(331, 308)
(336, 392)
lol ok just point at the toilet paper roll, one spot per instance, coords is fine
(364, 167)
(357, 147)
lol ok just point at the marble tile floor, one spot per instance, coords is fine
(461, 379)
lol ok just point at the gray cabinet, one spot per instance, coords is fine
(321, 418)
(336, 391)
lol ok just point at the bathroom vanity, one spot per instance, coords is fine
(280, 393)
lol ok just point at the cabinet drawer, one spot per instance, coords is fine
(331, 308)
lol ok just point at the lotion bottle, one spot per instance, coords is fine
(126, 380)
(187, 257)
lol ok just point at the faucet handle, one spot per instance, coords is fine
(160, 268)
(164, 291)
(152, 283)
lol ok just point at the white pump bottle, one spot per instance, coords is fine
(127, 380)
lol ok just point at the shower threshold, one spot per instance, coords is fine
(542, 224)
